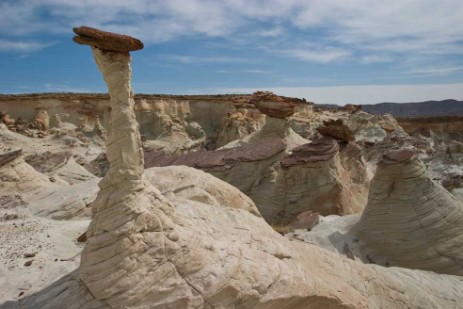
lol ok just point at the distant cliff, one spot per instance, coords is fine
(421, 109)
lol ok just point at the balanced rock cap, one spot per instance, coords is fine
(397, 156)
(320, 149)
(273, 105)
(336, 129)
(106, 40)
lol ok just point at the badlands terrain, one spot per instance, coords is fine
(223, 201)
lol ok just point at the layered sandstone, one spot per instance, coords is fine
(282, 184)
(320, 177)
(448, 127)
(410, 221)
(16, 176)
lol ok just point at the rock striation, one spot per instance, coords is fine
(410, 221)
(16, 176)
(283, 173)
(277, 125)
(321, 149)
(315, 177)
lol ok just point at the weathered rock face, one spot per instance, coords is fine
(42, 120)
(410, 221)
(174, 124)
(372, 128)
(18, 176)
(238, 125)
(447, 127)
(251, 164)
(59, 165)
(277, 124)
(181, 184)
(316, 177)
(322, 149)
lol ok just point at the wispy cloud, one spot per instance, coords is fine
(322, 55)
(50, 87)
(367, 59)
(435, 71)
(256, 71)
(22, 46)
(383, 30)
(248, 71)
(187, 59)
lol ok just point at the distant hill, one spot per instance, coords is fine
(420, 109)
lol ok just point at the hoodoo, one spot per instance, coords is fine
(277, 110)
(411, 221)
(313, 177)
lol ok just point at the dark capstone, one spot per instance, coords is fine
(321, 149)
(336, 129)
(106, 40)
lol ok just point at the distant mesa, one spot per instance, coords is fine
(418, 109)
(106, 40)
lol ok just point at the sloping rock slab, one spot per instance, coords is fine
(262, 150)
(9, 156)
(321, 149)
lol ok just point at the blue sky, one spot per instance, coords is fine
(337, 51)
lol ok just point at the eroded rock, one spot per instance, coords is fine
(411, 221)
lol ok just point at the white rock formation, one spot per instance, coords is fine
(16, 176)
(179, 183)
(410, 221)
(320, 178)
(273, 127)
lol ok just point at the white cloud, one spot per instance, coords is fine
(367, 59)
(22, 46)
(361, 94)
(49, 87)
(339, 29)
(321, 55)
(188, 59)
(435, 71)
(256, 71)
